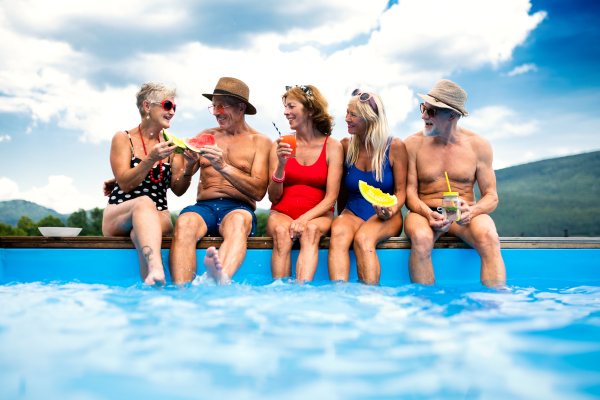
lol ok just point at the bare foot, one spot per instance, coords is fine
(156, 277)
(213, 266)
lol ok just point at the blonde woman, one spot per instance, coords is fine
(380, 160)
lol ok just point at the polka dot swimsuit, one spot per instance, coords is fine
(156, 191)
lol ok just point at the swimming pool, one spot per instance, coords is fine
(270, 340)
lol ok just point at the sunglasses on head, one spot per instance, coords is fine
(167, 105)
(364, 97)
(430, 111)
(304, 88)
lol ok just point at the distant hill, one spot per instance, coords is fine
(546, 197)
(12, 210)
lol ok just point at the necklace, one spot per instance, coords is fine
(146, 153)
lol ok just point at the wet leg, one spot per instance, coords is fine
(278, 227)
(189, 229)
(373, 231)
(342, 234)
(235, 229)
(139, 219)
(482, 235)
(422, 239)
(308, 259)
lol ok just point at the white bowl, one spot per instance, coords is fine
(59, 231)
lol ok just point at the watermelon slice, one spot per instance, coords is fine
(376, 196)
(181, 147)
(196, 143)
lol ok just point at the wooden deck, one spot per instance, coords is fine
(262, 243)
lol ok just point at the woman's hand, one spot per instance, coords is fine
(191, 158)
(284, 151)
(161, 150)
(297, 227)
(384, 213)
(108, 186)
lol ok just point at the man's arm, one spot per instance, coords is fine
(413, 202)
(253, 185)
(486, 179)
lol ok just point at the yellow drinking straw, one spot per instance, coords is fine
(449, 189)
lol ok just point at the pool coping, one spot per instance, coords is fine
(95, 242)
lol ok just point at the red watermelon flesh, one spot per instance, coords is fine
(196, 143)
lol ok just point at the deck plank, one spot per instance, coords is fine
(262, 243)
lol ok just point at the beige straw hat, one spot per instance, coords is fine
(234, 88)
(447, 94)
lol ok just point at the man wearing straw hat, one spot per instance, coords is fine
(443, 146)
(233, 177)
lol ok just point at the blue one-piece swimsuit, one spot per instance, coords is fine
(356, 202)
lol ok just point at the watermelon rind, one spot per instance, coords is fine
(376, 196)
(181, 147)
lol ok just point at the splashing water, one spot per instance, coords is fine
(270, 340)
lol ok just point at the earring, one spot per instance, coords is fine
(148, 116)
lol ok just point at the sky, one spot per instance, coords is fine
(69, 72)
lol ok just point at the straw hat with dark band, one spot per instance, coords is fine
(447, 94)
(234, 88)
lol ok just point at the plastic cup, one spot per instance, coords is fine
(450, 206)
(290, 138)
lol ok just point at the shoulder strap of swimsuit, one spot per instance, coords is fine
(323, 154)
(131, 143)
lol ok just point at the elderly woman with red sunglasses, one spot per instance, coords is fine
(144, 167)
(380, 160)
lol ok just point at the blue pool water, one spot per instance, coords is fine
(260, 339)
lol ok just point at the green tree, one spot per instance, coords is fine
(28, 226)
(8, 230)
(79, 219)
(261, 224)
(174, 219)
(96, 221)
(50, 220)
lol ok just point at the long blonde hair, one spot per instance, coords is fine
(376, 137)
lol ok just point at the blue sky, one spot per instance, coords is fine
(69, 74)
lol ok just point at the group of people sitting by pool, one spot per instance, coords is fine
(245, 164)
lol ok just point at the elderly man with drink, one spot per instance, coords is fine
(444, 147)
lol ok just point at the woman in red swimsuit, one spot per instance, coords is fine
(303, 189)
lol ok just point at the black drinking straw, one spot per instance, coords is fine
(276, 128)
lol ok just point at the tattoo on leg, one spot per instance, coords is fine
(147, 252)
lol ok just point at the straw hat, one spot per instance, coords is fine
(447, 94)
(234, 88)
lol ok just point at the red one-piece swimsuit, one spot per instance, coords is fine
(304, 186)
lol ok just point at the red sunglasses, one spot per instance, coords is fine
(167, 105)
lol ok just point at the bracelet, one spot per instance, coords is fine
(276, 179)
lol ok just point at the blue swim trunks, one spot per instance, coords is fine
(213, 211)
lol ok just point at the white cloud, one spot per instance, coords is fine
(60, 194)
(522, 69)
(499, 122)
(5, 137)
(38, 76)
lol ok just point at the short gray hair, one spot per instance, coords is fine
(154, 91)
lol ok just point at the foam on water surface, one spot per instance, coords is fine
(273, 340)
